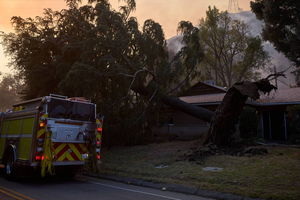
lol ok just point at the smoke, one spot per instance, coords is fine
(278, 60)
(174, 45)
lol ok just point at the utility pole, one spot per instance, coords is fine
(233, 6)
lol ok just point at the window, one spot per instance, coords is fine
(58, 108)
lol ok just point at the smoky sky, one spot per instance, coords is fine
(167, 12)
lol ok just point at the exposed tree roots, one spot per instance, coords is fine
(222, 126)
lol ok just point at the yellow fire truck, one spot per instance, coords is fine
(48, 133)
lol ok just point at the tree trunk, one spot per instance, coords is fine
(195, 111)
(222, 122)
(222, 127)
(176, 103)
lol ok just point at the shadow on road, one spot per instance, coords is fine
(48, 180)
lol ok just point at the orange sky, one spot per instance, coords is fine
(167, 12)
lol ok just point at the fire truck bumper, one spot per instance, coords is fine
(62, 163)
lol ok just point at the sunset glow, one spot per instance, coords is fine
(167, 12)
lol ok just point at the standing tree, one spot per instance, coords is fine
(10, 86)
(282, 26)
(230, 56)
(99, 53)
(230, 53)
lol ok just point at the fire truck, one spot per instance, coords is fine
(49, 133)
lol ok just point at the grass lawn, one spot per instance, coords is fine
(272, 176)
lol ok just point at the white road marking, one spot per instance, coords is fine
(136, 191)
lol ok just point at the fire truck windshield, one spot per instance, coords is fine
(58, 108)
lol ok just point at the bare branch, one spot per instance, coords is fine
(134, 77)
(274, 76)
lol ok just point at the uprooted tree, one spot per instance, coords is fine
(100, 53)
(223, 121)
(222, 125)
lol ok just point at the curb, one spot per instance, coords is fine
(172, 187)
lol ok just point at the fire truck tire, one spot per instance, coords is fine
(9, 169)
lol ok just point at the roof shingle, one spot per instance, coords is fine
(280, 96)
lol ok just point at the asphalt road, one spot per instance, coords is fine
(82, 188)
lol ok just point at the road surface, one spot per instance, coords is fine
(82, 188)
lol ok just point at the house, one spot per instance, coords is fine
(275, 114)
(274, 120)
(178, 124)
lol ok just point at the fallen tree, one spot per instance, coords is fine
(175, 102)
(222, 126)
(223, 121)
(76, 44)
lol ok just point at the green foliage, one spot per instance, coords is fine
(230, 54)
(282, 26)
(97, 52)
(186, 61)
(9, 88)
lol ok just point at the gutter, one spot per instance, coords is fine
(250, 103)
(276, 104)
(171, 187)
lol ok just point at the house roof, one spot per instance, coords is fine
(204, 99)
(288, 96)
(202, 88)
(281, 96)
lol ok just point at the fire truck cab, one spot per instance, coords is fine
(49, 132)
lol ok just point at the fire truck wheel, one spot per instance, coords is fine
(9, 170)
